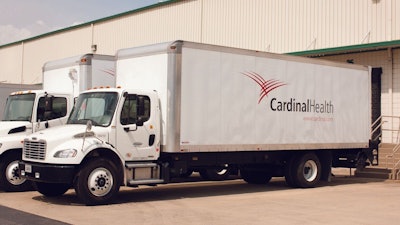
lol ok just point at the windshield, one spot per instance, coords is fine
(98, 107)
(19, 107)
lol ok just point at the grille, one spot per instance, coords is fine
(35, 149)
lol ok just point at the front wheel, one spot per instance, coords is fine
(97, 183)
(10, 180)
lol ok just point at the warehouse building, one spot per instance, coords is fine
(358, 31)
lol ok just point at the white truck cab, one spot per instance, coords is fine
(27, 112)
(120, 125)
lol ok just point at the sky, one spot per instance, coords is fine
(21, 19)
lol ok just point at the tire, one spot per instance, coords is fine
(255, 176)
(10, 180)
(51, 189)
(306, 170)
(98, 182)
(215, 174)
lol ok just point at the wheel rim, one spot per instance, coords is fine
(310, 170)
(100, 182)
(223, 170)
(12, 174)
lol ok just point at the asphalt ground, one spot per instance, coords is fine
(9, 216)
(344, 200)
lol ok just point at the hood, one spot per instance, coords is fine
(13, 127)
(68, 136)
(58, 132)
(65, 132)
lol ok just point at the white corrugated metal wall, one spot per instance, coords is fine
(265, 25)
(58, 46)
(11, 62)
(292, 25)
(180, 20)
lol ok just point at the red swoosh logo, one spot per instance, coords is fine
(266, 85)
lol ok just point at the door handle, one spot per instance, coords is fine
(137, 144)
(127, 129)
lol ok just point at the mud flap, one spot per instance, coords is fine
(326, 165)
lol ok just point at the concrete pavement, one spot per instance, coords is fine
(345, 200)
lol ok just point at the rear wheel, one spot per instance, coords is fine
(215, 174)
(97, 182)
(306, 170)
(51, 189)
(10, 180)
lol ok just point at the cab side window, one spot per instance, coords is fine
(50, 108)
(136, 109)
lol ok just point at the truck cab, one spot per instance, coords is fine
(110, 134)
(27, 112)
(51, 110)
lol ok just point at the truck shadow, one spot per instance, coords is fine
(197, 188)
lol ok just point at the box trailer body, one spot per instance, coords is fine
(79, 73)
(27, 111)
(186, 107)
(228, 100)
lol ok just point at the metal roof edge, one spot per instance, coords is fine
(89, 23)
(348, 49)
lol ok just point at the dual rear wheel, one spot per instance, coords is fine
(216, 174)
(302, 170)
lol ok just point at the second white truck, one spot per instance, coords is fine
(29, 111)
(186, 106)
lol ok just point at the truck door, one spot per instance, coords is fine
(136, 131)
(51, 111)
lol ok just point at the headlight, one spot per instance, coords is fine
(66, 153)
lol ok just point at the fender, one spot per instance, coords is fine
(75, 150)
(11, 142)
(15, 127)
(96, 147)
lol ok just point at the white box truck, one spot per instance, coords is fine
(186, 106)
(29, 111)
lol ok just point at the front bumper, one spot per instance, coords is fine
(47, 173)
